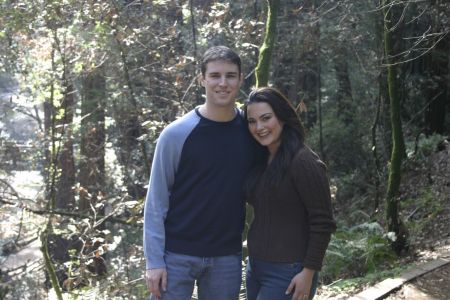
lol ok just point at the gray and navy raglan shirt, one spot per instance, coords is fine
(195, 202)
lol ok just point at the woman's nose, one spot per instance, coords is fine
(259, 126)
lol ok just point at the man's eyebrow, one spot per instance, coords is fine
(232, 72)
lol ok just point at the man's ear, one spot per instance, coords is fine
(242, 79)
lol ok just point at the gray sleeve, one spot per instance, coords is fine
(162, 176)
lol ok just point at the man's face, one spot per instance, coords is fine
(222, 82)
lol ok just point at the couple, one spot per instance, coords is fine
(205, 166)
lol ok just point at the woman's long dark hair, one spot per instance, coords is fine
(292, 139)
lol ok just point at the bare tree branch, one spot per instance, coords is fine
(108, 217)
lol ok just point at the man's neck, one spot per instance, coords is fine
(218, 114)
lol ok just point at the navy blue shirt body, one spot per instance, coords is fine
(204, 167)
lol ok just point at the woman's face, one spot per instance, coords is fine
(264, 125)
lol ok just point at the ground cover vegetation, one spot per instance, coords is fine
(87, 86)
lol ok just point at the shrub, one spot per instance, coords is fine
(356, 251)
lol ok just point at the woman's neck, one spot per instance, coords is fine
(272, 151)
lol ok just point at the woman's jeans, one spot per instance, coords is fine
(269, 281)
(217, 278)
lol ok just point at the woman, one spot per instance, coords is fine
(290, 195)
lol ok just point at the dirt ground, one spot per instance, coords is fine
(435, 238)
(433, 241)
(428, 184)
(432, 286)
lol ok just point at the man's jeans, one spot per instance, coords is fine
(218, 278)
(269, 281)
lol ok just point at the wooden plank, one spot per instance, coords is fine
(386, 286)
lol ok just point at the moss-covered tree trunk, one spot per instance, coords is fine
(265, 51)
(398, 145)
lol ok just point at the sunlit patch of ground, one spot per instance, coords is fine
(20, 256)
(29, 184)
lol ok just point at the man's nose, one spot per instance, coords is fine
(223, 80)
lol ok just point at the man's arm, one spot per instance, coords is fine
(157, 203)
(155, 211)
(164, 167)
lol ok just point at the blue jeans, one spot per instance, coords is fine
(216, 277)
(269, 281)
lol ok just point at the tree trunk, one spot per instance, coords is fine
(303, 64)
(194, 31)
(375, 154)
(319, 109)
(262, 71)
(398, 148)
(92, 148)
(48, 131)
(344, 96)
(128, 120)
(65, 196)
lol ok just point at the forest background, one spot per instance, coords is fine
(87, 86)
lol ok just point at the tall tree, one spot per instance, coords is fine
(92, 148)
(344, 97)
(262, 71)
(398, 146)
(65, 196)
(297, 68)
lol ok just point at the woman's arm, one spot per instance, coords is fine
(311, 182)
(301, 284)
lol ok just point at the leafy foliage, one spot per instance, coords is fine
(358, 250)
(148, 51)
(424, 146)
(425, 208)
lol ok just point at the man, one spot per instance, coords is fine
(194, 210)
